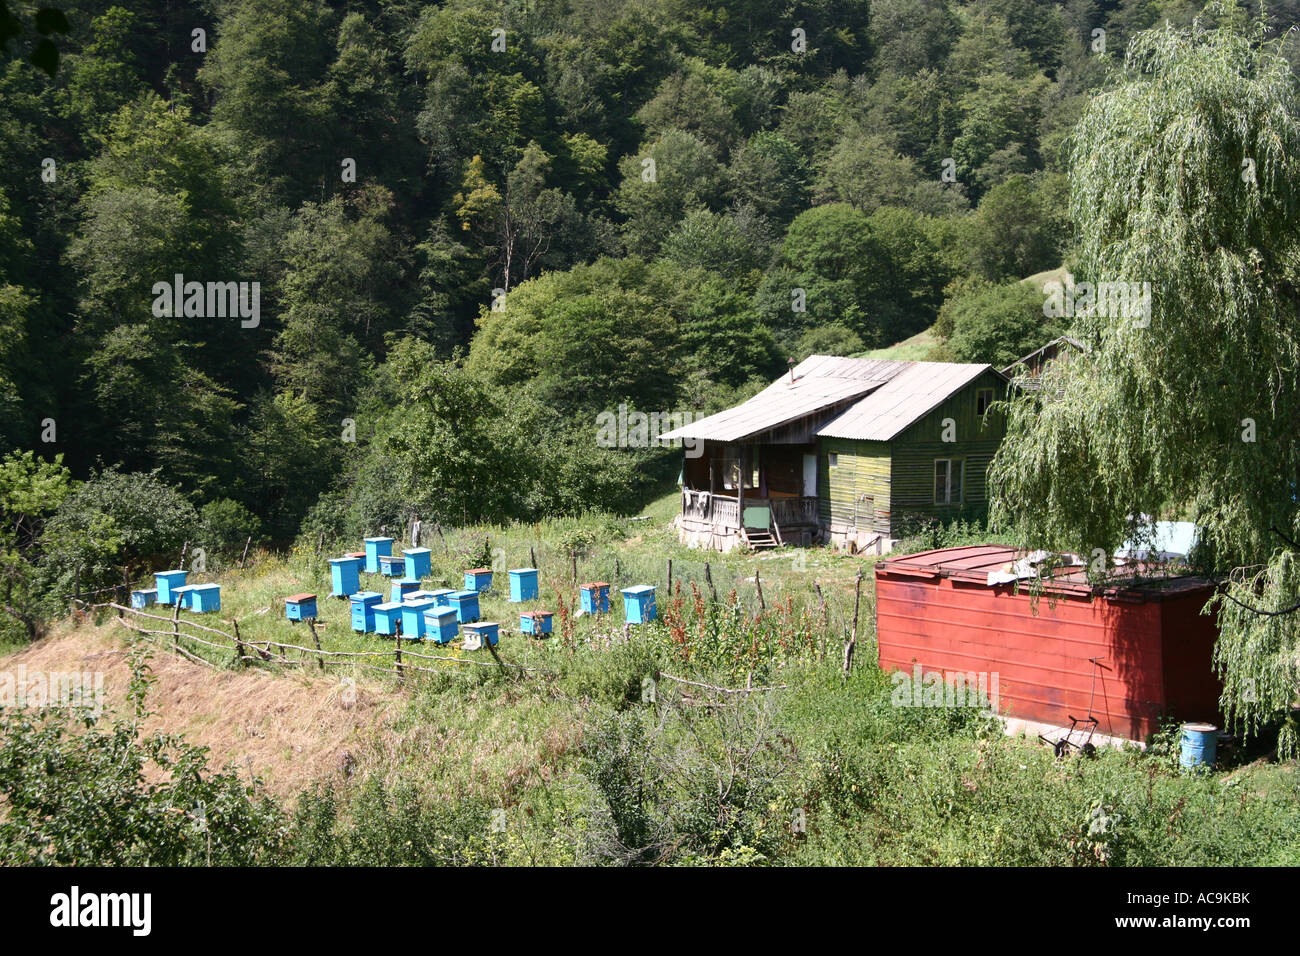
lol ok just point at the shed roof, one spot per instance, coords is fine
(993, 564)
(827, 383)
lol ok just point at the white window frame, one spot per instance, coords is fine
(960, 469)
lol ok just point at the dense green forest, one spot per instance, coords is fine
(475, 226)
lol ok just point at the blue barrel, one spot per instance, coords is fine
(1200, 743)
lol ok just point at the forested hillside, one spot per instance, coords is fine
(475, 226)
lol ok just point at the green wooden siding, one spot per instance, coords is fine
(915, 450)
(862, 468)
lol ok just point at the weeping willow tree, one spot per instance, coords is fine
(1187, 402)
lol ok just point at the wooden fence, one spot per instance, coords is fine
(179, 633)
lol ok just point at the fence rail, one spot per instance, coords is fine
(183, 629)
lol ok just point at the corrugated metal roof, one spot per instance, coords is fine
(975, 563)
(818, 382)
(916, 390)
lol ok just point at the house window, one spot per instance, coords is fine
(983, 399)
(832, 459)
(731, 466)
(948, 474)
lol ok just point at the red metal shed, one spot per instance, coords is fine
(1153, 647)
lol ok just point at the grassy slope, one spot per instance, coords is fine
(880, 784)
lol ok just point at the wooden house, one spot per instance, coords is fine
(1027, 371)
(841, 450)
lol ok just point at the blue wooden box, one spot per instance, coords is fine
(374, 548)
(478, 579)
(181, 596)
(345, 576)
(388, 618)
(441, 596)
(300, 607)
(639, 603)
(523, 585)
(535, 622)
(486, 630)
(404, 588)
(417, 562)
(167, 582)
(466, 605)
(143, 598)
(595, 597)
(363, 611)
(440, 624)
(392, 565)
(413, 624)
(205, 598)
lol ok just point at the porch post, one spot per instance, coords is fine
(740, 489)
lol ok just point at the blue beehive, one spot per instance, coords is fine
(181, 596)
(478, 579)
(413, 624)
(300, 607)
(440, 624)
(466, 605)
(363, 611)
(142, 599)
(486, 630)
(595, 597)
(374, 548)
(392, 565)
(441, 596)
(167, 582)
(205, 598)
(417, 562)
(639, 603)
(403, 588)
(388, 617)
(523, 585)
(535, 622)
(345, 576)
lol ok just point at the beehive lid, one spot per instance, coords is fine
(388, 606)
(347, 557)
(375, 540)
(480, 625)
(186, 587)
(415, 551)
(401, 581)
(592, 585)
(367, 597)
(299, 598)
(163, 574)
(536, 614)
(356, 554)
(523, 570)
(478, 570)
(418, 604)
(440, 612)
(639, 589)
(462, 595)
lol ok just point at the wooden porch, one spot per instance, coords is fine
(773, 520)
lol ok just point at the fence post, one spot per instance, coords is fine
(239, 647)
(532, 556)
(762, 605)
(708, 576)
(244, 556)
(320, 656)
(826, 620)
(853, 635)
(176, 625)
(670, 577)
(400, 674)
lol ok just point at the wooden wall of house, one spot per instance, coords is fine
(915, 450)
(862, 468)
